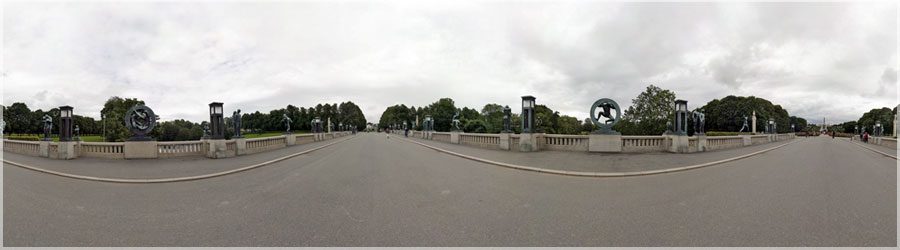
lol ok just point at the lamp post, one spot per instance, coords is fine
(771, 127)
(528, 114)
(216, 121)
(103, 120)
(427, 123)
(878, 129)
(681, 117)
(65, 123)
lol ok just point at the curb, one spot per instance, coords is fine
(167, 180)
(597, 174)
(873, 150)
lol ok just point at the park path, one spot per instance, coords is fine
(374, 191)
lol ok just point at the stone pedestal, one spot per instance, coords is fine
(240, 146)
(747, 140)
(290, 139)
(605, 142)
(141, 150)
(66, 150)
(702, 143)
(679, 143)
(528, 142)
(44, 148)
(454, 137)
(216, 148)
(504, 141)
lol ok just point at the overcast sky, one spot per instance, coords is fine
(833, 60)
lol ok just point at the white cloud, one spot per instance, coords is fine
(178, 57)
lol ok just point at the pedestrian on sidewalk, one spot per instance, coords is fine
(388, 132)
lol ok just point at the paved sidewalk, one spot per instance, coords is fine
(599, 162)
(158, 168)
(880, 148)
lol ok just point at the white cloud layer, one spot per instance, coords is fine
(178, 57)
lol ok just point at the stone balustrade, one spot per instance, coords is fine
(630, 144)
(118, 150)
(109, 150)
(480, 140)
(563, 142)
(644, 143)
(180, 148)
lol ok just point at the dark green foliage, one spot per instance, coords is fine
(649, 113)
(114, 109)
(885, 115)
(728, 114)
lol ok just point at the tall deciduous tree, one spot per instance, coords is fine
(649, 112)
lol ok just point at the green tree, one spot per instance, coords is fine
(728, 114)
(114, 109)
(649, 113)
(885, 115)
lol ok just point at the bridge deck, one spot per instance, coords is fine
(372, 191)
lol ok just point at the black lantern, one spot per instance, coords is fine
(216, 121)
(65, 123)
(528, 114)
(681, 112)
(771, 128)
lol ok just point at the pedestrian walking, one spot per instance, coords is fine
(388, 132)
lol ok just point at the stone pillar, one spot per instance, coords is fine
(702, 145)
(66, 150)
(754, 123)
(528, 142)
(747, 140)
(605, 143)
(290, 139)
(141, 150)
(454, 137)
(679, 143)
(504, 141)
(216, 149)
(240, 146)
(45, 148)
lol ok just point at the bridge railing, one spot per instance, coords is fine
(180, 148)
(257, 145)
(644, 143)
(759, 139)
(724, 142)
(480, 140)
(563, 142)
(109, 150)
(31, 148)
(441, 136)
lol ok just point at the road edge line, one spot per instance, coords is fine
(873, 150)
(174, 179)
(600, 174)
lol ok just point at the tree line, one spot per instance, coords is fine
(21, 120)
(648, 115)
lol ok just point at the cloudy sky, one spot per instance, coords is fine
(833, 60)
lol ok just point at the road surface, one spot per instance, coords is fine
(374, 191)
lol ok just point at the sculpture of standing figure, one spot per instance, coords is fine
(745, 125)
(506, 119)
(287, 123)
(77, 133)
(48, 124)
(205, 131)
(236, 120)
(456, 121)
(699, 120)
(2, 126)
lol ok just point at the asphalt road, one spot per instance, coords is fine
(371, 191)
